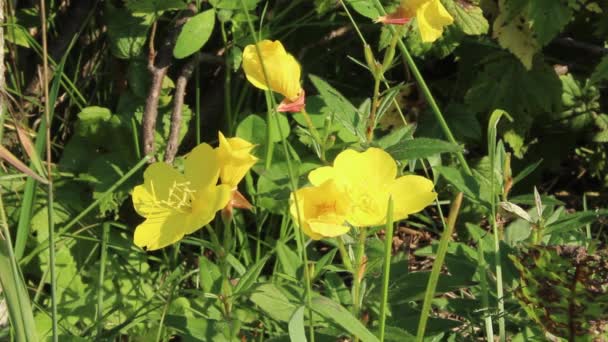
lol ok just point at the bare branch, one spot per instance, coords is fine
(178, 103)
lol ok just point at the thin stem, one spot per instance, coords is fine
(386, 269)
(315, 134)
(371, 121)
(344, 254)
(292, 178)
(442, 250)
(50, 211)
(359, 273)
(102, 269)
(227, 82)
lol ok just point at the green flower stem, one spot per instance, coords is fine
(371, 121)
(442, 250)
(359, 273)
(293, 180)
(425, 90)
(102, 269)
(388, 252)
(485, 292)
(344, 254)
(315, 134)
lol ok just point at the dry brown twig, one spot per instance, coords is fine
(178, 103)
(158, 65)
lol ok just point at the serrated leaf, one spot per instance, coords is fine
(127, 31)
(516, 36)
(421, 148)
(468, 17)
(548, 18)
(195, 33)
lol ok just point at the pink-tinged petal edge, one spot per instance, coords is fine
(293, 106)
(396, 18)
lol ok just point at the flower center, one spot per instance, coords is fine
(180, 198)
(325, 208)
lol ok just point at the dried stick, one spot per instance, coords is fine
(178, 103)
(158, 64)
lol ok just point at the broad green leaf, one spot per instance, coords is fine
(462, 181)
(516, 36)
(468, 17)
(548, 18)
(364, 7)
(342, 109)
(421, 148)
(155, 6)
(273, 302)
(194, 34)
(296, 326)
(290, 262)
(337, 314)
(601, 71)
(253, 129)
(234, 4)
(127, 31)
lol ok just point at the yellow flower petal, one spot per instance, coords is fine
(235, 159)
(282, 69)
(201, 167)
(320, 211)
(432, 17)
(160, 231)
(321, 175)
(411, 194)
(159, 179)
(369, 169)
(206, 203)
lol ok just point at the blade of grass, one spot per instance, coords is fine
(437, 265)
(50, 195)
(388, 253)
(102, 270)
(494, 118)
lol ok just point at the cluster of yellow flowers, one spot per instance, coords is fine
(175, 204)
(355, 191)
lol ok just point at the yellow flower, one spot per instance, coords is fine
(282, 69)
(176, 204)
(322, 210)
(369, 179)
(235, 159)
(431, 16)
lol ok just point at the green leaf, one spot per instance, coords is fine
(253, 129)
(520, 92)
(574, 221)
(421, 148)
(515, 35)
(155, 6)
(465, 183)
(273, 302)
(468, 17)
(339, 315)
(548, 18)
(296, 326)
(234, 4)
(601, 71)
(290, 262)
(194, 34)
(342, 109)
(364, 7)
(251, 276)
(127, 31)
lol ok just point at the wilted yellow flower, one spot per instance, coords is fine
(176, 204)
(322, 210)
(282, 69)
(431, 16)
(369, 179)
(235, 159)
